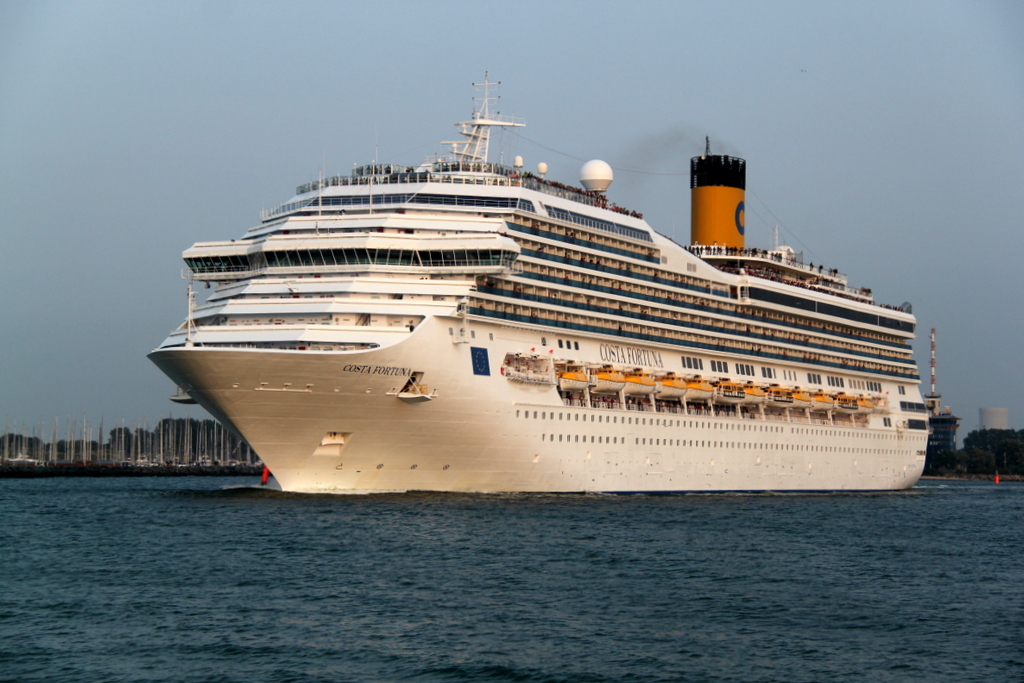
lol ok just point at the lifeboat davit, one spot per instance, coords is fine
(638, 383)
(779, 397)
(608, 381)
(730, 393)
(699, 389)
(754, 393)
(821, 401)
(671, 387)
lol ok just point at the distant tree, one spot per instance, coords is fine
(989, 439)
(1010, 456)
(947, 461)
(980, 461)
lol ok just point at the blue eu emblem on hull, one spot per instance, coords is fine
(481, 366)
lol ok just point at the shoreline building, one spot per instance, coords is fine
(993, 418)
(942, 424)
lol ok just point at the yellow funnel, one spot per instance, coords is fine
(717, 200)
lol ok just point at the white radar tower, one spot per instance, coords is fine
(477, 130)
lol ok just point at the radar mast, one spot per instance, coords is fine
(477, 130)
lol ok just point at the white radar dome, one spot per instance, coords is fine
(518, 162)
(596, 175)
(542, 168)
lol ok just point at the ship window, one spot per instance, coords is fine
(577, 345)
(559, 343)
(901, 390)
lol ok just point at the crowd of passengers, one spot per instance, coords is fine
(598, 197)
(819, 284)
(796, 338)
(536, 316)
(767, 332)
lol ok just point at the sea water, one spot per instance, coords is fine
(194, 579)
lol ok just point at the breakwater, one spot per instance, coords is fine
(44, 471)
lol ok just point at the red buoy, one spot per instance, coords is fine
(997, 476)
(266, 476)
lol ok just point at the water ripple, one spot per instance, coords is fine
(142, 580)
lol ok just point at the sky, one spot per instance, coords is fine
(884, 139)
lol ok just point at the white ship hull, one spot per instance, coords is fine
(476, 436)
(467, 326)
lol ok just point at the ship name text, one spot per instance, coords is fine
(628, 355)
(377, 370)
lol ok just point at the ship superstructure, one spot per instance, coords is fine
(462, 325)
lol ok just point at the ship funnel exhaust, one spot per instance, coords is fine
(717, 191)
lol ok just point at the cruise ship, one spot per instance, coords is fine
(464, 325)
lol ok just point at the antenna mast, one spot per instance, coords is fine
(477, 130)
(933, 361)
(190, 324)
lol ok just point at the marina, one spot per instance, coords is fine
(171, 442)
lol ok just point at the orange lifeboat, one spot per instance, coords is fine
(847, 403)
(671, 387)
(754, 393)
(608, 381)
(730, 392)
(801, 399)
(573, 379)
(865, 405)
(638, 383)
(779, 397)
(699, 389)
(820, 401)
